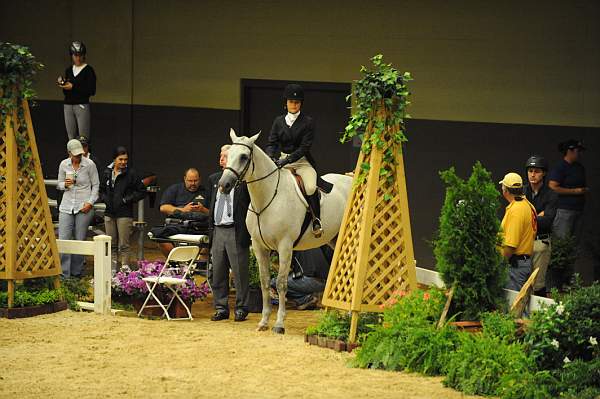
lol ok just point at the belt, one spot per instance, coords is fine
(519, 257)
(225, 226)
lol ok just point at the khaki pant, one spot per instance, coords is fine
(541, 259)
(119, 230)
(306, 171)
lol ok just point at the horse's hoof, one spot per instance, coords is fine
(279, 330)
(261, 328)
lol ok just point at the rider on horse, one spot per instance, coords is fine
(289, 145)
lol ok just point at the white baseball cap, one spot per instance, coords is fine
(74, 147)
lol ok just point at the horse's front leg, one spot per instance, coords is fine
(264, 268)
(285, 259)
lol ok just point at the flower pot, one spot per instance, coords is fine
(467, 326)
(312, 339)
(254, 300)
(177, 310)
(339, 346)
(322, 341)
(152, 312)
(350, 346)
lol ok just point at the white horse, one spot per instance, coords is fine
(276, 212)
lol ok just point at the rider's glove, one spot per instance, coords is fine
(281, 163)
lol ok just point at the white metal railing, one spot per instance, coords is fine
(431, 277)
(100, 249)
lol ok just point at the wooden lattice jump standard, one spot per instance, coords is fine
(374, 252)
(27, 240)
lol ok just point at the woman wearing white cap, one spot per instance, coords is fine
(78, 178)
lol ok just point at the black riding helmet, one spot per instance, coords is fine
(77, 48)
(536, 161)
(293, 91)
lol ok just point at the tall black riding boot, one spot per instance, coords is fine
(315, 208)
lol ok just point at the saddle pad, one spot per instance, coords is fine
(184, 238)
(191, 238)
(322, 186)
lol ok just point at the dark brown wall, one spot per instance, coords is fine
(166, 140)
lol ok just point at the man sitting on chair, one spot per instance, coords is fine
(185, 201)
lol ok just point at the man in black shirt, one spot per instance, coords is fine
(544, 200)
(184, 201)
(568, 181)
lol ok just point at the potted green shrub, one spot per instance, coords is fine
(255, 292)
(562, 262)
(466, 249)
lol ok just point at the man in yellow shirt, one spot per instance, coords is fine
(519, 227)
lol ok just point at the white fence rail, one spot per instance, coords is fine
(100, 249)
(433, 278)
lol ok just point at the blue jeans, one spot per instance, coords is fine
(73, 226)
(518, 274)
(301, 289)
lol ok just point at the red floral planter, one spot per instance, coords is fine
(176, 310)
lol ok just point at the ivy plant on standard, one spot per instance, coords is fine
(381, 86)
(18, 68)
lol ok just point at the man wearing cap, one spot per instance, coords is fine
(519, 227)
(544, 200)
(78, 178)
(568, 181)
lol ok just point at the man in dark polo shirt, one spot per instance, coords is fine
(184, 200)
(567, 179)
(544, 200)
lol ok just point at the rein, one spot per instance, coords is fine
(240, 176)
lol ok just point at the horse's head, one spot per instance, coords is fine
(239, 160)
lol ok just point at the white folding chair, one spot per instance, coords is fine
(186, 258)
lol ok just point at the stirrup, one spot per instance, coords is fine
(317, 227)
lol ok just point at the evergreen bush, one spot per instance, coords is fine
(466, 247)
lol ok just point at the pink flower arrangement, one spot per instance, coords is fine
(129, 282)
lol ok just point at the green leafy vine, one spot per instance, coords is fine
(18, 68)
(380, 103)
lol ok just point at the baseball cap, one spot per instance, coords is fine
(571, 145)
(74, 147)
(512, 180)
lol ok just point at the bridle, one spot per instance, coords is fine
(240, 177)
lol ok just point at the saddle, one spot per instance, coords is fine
(322, 185)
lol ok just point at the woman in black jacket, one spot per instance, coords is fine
(78, 84)
(120, 189)
(291, 137)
